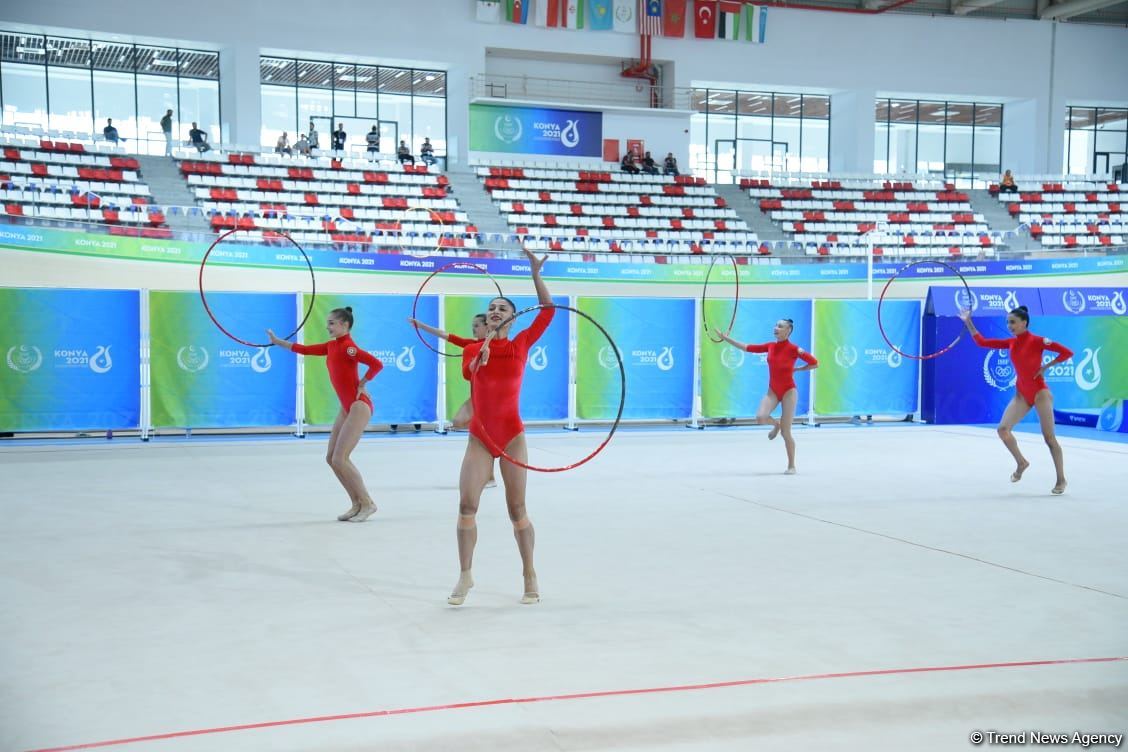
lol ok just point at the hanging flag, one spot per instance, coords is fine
(705, 19)
(755, 23)
(673, 18)
(489, 11)
(517, 11)
(728, 24)
(626, 20)
(547, 12)
(650, 17)
(574, 14)
(601, 18)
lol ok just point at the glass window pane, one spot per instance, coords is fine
(314, 103)
(930, 148)
(989, 114)
(698, 99)
(159, 61)
(429, 121)
(395, 80)
(815, 106)
(1112, 120)
(987, 142)
(724, 102)
(277, 71)
(1080, 160)
(786, 139)
(1082, 117)
(1111, 141)
(280, 114)
(156, 95)
(902, 111)
(881, 111)
(69, 53)
(69, 93)
(786, 105)
(199, 102)
(430, 83)
(25, 95)
(344, 91)
(960, 113)
(752, 103)
(959, 157)
(23, 48)
(700, 161)
(816, 145)
(902, 147)
(367, 105)
(932, 112)
(396, 108)
(196, 64)
(755, 127)
(113, 98)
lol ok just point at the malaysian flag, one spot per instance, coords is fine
(650, 17)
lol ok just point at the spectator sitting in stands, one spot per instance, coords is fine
(627, 165)
(302, 146)
(339, 137)
(1007, 184)
(670, 166)
(199, 139)
(373, 139)
(110, 132)
(283, 145)
(314, 138)
(427, 152)
(648, 164)
(403, 154)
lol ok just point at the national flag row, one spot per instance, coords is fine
(705, 19)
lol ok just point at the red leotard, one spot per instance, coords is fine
(496, 388)
(462, 342)
(1026, 354)
(781, 364)
(341, 357)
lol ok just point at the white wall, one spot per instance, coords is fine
(1048, 64)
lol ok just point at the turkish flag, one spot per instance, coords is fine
(705, 19)
(673, 18)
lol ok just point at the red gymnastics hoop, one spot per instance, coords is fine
(881, 300)
(211, 314)
(491, 444)
(736, 298)
(441, 269)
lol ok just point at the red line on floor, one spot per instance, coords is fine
(575, 696)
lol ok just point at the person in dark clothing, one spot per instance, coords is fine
(670, 165)
(110, 132)
(373, 139)
(339, 137)
(166, 129)
(199, 139)
(648, 165)
(627, 165)
(403, 153)
(427, 152)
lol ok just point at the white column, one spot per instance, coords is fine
(240, 102)
(851, 131)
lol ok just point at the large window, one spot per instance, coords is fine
(743, 132)
(959, 141)
(76, 85)
(404, 104)
(738, 133)
(1096, 141)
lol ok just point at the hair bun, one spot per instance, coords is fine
(1023, 308)
(348, 308)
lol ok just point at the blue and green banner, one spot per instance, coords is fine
(859, 373)
(655, 339)
(405, 389)
(733, 381)
(71, 359)
(544, 390)
(201, 378)
(19, 238)
(536, 130)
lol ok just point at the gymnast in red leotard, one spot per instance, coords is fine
(342, 356)
(496, 367)
(1030, 387)
(478, 328)
(782, 354)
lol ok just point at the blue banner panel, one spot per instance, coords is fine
(1084, 301)
(72, 359)
(984, 301)
(536, 130)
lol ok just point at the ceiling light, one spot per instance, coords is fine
(166, 63)
(430, 78)
(30, 50)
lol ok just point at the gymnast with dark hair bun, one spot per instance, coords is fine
(782, 354)
(342, 357)
(1030, 387)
